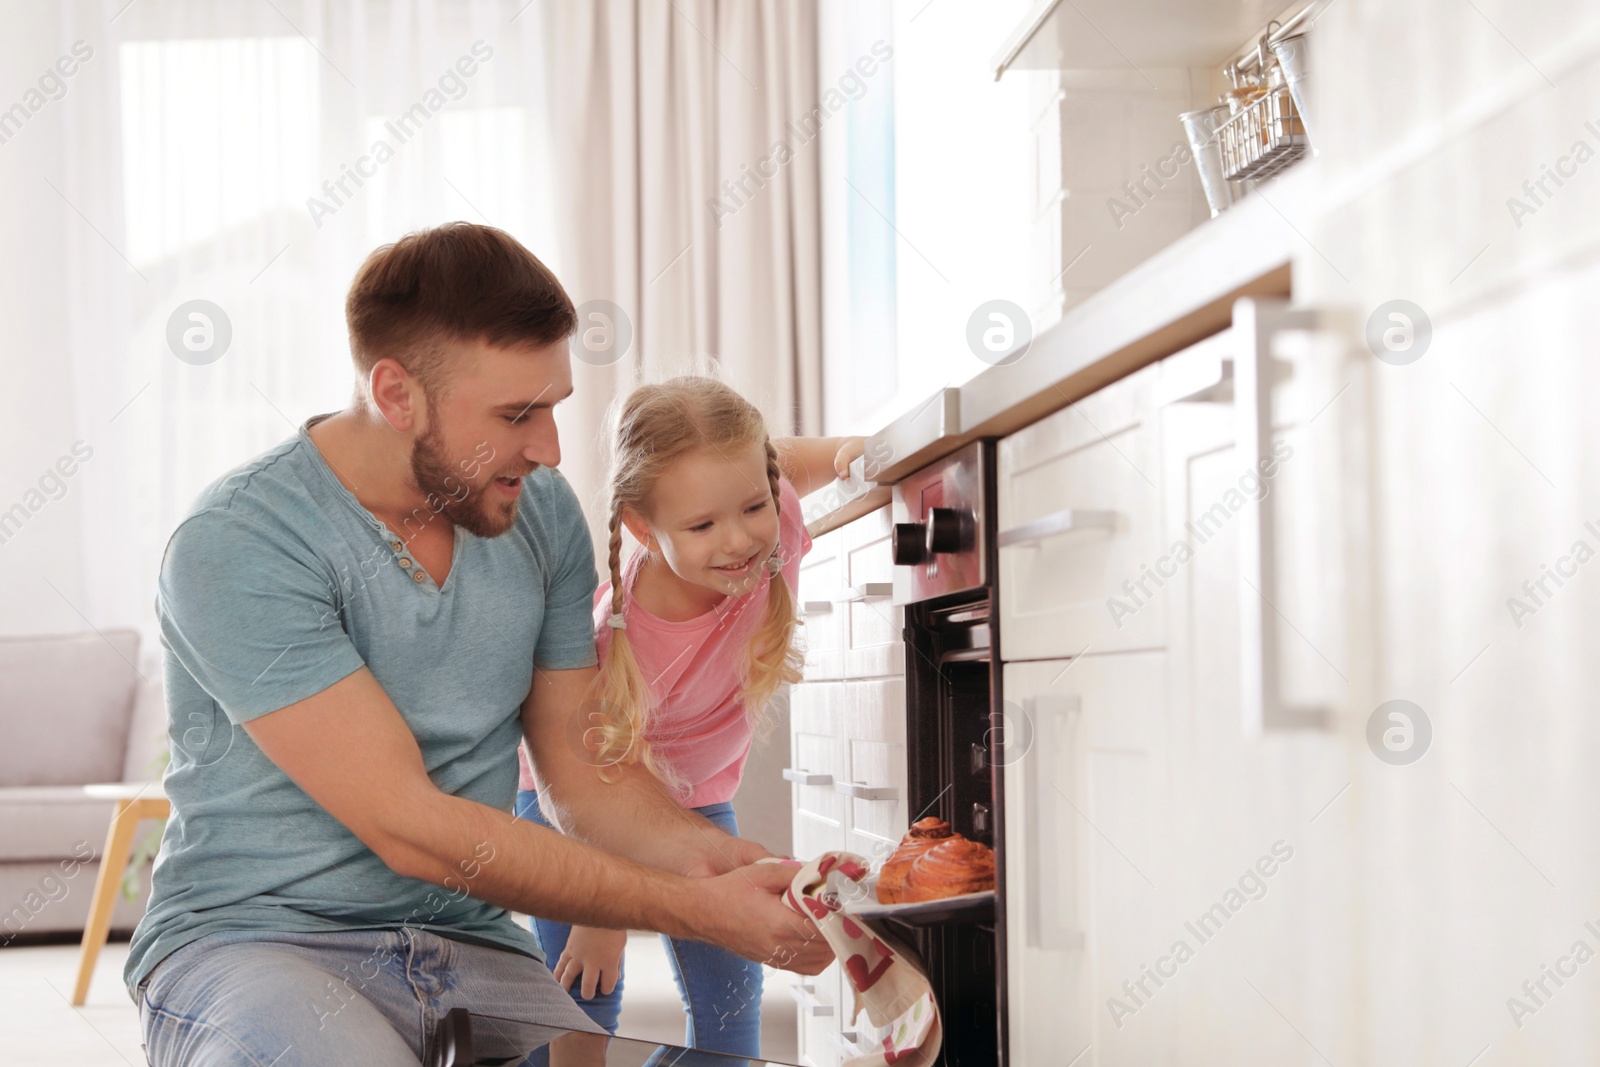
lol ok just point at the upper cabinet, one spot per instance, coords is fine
(1113, 35)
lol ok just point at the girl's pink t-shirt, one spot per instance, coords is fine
(699, 726)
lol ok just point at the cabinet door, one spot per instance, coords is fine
(821, 579)
(1080, 527)
(1088, 860)
(1262, 864)
(819, 762)
(874, 736)
(874, 646)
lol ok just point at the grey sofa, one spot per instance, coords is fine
(73, 711)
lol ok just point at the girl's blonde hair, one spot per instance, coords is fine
(651, 429)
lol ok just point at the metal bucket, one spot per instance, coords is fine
(1201, 129)
(1293, 57)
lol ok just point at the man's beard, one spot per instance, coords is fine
(452, 495)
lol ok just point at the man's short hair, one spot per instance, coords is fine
(458, 282)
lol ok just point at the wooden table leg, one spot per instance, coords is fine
(113, 861)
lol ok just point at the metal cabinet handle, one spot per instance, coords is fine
(816, 607)
(1058, 522)
(1255, 323)
(809, 1004)
(846, 1040)
(799, 777)
(867, 591)
(1206, 380)
(1054, 717)
(861, 791)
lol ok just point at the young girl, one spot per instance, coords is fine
(695, 633)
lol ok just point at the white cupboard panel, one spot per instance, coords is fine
(822, 629)
(873, 626)
(1088, 840)
(1080, 506)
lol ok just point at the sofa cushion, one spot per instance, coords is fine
(147, 731)
(64, 707)
(51, 822)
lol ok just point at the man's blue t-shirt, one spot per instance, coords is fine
(278, 585)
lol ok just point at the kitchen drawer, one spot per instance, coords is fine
(818, 1016)
(818, 759)
(821, 582)
(874, 645)
(872, 725)
(1080, 529)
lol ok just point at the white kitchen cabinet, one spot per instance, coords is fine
(821, 581)
(1089, 858)
(1080, 527)
(848, 738)
(874, 646)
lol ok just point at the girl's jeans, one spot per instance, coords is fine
(721, 992)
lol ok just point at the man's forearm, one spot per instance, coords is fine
(634, 816)
(469, 849)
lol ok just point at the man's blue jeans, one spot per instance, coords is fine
(721, 992)
(357, 998)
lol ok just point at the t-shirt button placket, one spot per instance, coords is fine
(419, 576)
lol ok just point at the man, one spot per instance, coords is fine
(360, 624)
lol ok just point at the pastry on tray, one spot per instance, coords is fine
(962, 863)
(949, 869)
(923, 835)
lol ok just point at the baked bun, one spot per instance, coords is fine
(923, 835)
(948, 869)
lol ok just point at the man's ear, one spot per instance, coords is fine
(398, 396)
(639, 529)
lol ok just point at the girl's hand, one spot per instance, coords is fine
(848, 453)
(593, 958)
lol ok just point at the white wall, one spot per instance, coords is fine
(36, 427)
(961, 210)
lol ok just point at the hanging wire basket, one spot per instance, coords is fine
(1264, 137)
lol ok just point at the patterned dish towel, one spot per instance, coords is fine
(884, 974)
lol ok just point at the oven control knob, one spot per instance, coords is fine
(909, 541)
(949, 530)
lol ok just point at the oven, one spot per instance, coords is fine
(946, 578)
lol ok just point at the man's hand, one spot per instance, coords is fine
(731, 854)
(743, 911)
(592, 958)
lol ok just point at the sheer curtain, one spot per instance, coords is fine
(251, 156)
(690, 195)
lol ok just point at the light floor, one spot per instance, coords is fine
(39, 1027)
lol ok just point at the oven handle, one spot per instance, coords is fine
(1263, 708)
(802, 777)
(862, 791)
(1058, 522)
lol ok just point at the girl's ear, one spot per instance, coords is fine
(639, 529)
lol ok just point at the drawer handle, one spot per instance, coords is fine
(817, 607)
(799, 777)
(1059, 522)
(1200, 382)
(846, 1040)
(810, 1005)
(1262, 700)
(867, 591)
(861, 791)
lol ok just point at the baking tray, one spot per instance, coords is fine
(968, 907)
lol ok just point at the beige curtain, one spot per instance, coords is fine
(687, 185)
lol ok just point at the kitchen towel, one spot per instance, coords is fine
(884, 975)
